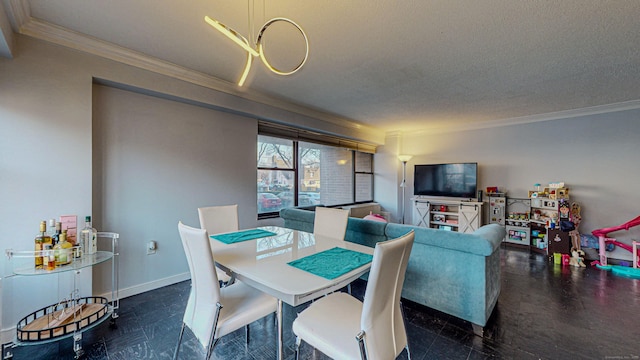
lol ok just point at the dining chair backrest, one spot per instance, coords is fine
(330, 222)
(205, 293)
(219, 219)
(382, 319)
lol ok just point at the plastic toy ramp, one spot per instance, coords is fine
(626, 226)
(603, 239)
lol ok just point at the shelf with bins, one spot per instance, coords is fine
(447, 214)
(518, 221)
(69, 317)
(547, 212)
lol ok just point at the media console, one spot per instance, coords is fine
(459, 215)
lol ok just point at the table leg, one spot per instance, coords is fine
(280, 342)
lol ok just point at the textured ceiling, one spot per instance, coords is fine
(395, 65)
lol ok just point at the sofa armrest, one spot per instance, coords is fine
(493, 233)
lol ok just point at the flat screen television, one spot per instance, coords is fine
(446, 180)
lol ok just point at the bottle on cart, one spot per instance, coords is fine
(41, 239)
(63, 250)
(51, 228)
(47, 236)
(49, 257)
(88, 238)
(55, 238)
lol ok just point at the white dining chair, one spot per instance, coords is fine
(213, 312)
(342, 327)
(218, 220)
(330, 222)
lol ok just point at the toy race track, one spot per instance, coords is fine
(626, 226)
(602, 234)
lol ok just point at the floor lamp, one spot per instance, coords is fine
(403, 185)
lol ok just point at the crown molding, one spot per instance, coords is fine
(557, 115)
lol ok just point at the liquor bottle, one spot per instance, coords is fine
(51, 227)
(55, 238)
(47, 238)
(62, 250)
(88, 238)
(40, 240)
(49, 257)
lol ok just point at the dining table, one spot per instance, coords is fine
(293, 266)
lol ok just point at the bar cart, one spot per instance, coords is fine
(72, 315)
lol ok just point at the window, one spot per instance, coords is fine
(363, 177)
(298, 173)
(276, 174)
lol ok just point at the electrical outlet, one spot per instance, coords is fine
(152, 247)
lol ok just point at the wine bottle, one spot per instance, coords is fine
(88, 237)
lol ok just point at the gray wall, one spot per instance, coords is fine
(155, 162)
(595, 155)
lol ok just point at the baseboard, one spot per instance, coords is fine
(8, 335)
(148, 286)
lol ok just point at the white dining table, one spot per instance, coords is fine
(262, 263)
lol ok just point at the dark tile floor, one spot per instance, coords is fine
(545, 311)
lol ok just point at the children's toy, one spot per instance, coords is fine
(633, 272)
(577, 258)
(575, 219)
(629, 272)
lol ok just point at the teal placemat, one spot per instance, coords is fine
(332, 263)
(244, 235)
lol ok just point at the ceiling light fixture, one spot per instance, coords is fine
(251, 52)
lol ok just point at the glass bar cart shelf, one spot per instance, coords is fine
(71, 316)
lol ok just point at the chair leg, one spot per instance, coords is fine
(362, 345)
(298, 341)
(175, 354)
(212, 339)
(246, 333)
(210, 350)
(404, 320)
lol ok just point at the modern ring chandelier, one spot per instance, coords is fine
(259, 46)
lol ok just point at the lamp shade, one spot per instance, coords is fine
(404, 158)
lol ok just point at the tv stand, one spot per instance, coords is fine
(461, 215)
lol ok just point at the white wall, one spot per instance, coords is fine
(596, 156)
(387, 177)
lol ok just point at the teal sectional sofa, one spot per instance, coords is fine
(456, 273)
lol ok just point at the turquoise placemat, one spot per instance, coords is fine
(332, 263)
(244, 235)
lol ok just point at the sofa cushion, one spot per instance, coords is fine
(482, 242)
